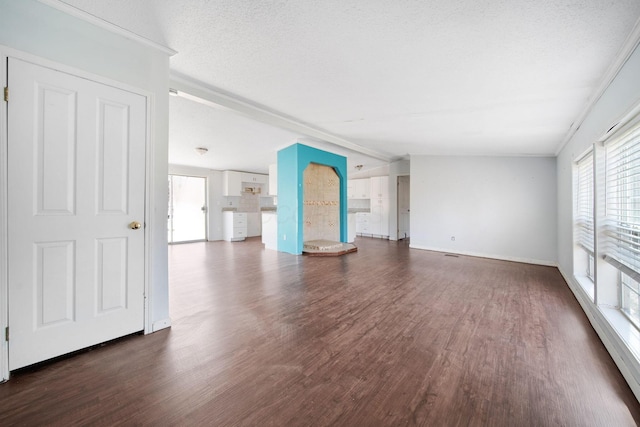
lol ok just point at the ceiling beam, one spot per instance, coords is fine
(198, 92)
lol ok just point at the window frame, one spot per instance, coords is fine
(584, 218)
(620, 228)
(584, 222)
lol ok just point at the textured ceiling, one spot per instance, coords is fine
(494, 77)
(234, 141)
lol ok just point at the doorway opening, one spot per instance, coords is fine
(187, 209)
(404, 190)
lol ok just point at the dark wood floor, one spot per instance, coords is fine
(387, 336)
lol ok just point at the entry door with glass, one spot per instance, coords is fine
(187, 209)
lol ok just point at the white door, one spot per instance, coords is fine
(76, 154)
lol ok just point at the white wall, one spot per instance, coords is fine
(498, 207)
(618, 99)
(34, 28)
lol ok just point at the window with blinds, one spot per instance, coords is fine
(584, 201)
(622, 204)
(622, 211)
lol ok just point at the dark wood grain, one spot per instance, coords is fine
(386, 336)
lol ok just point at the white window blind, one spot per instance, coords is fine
(622, 204)
(584, 201)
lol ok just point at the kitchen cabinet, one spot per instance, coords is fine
(376, 221)
(254, 224)
(232, 183)
(379, 219)
(360, 188)
(379, 203)
(351, 227)
(351, 188)
(234, 226)
(363, 188)
(254, 178)
(379, 188)
(362, 222)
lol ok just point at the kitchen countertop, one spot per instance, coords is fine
(274, 210)
(265, 209)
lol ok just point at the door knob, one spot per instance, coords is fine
(135, 225)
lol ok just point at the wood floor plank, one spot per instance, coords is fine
(386, 336)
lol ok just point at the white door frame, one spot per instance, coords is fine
(5, 53)
(397, 228)
(4, 290)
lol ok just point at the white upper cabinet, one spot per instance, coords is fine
(379, 187)
(232, 183)
(358, 188)
(376, 187)
(254, 178)
(363, 189)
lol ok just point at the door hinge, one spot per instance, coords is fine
(6, 94)
(6, 333)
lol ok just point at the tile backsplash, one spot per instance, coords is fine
(359, 204)
(321, 205)
(250, 202)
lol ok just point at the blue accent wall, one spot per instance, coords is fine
(292, 161)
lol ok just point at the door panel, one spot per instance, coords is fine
(112, 274)
(113, 150)
(56, 148)
(55, 283)
(76, 154)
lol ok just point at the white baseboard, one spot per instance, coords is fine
(483, 255)
(161, 324)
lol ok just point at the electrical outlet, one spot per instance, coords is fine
(453, 238)
(284, 237)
